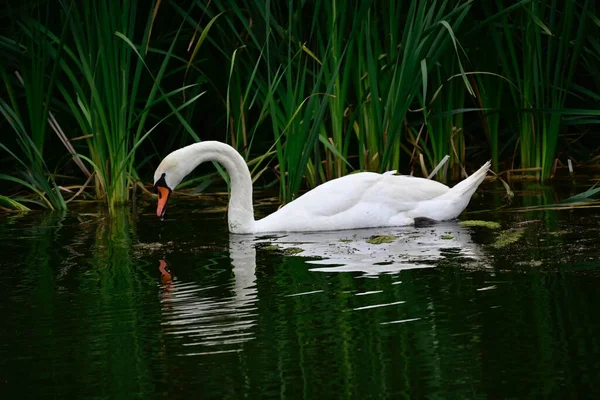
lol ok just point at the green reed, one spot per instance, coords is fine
(490, 88)
(106, 90)
(268, 60)
(539, 49)
(309, 91)
(335, 80)
(26, 109)
(443, 118)
(398, 73)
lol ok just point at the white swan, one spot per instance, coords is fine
(360, 200)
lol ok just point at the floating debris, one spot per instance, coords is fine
(381, 239)
(507, 237)
(272, 247)
(446, 237)
(558, 233)
(531, 263)
(485, 224)
(290, 251)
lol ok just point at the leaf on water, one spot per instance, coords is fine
(272, 247)
(585, 199)
(290, 251)
(485, 224)
(585, 196)
(507, 237)
(381, 239)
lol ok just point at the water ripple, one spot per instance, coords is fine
(379, 305)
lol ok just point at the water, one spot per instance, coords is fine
(132, 307)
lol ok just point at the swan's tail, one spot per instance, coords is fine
(467, 187)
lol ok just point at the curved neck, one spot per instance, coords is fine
(241, 212)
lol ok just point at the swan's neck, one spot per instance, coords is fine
(241, 213)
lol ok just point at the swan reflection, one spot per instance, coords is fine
(384, 250)
(203, 316)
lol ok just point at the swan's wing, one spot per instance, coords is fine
(396, 192)
(404, 191)
(337, 195)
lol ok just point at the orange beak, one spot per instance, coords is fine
(163, 196)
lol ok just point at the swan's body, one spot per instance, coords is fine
(360, 200)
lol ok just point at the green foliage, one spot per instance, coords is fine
(539, 48)
(103, 89)
(444, 121)
(486, 224)
(306, 91)
(336, 79)
(27, 117)
(107, 103)
(583, 196)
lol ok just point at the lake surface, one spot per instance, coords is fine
(135, 307)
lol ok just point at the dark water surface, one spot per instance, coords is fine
(132, 307)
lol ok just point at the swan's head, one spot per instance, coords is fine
(166, 178)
